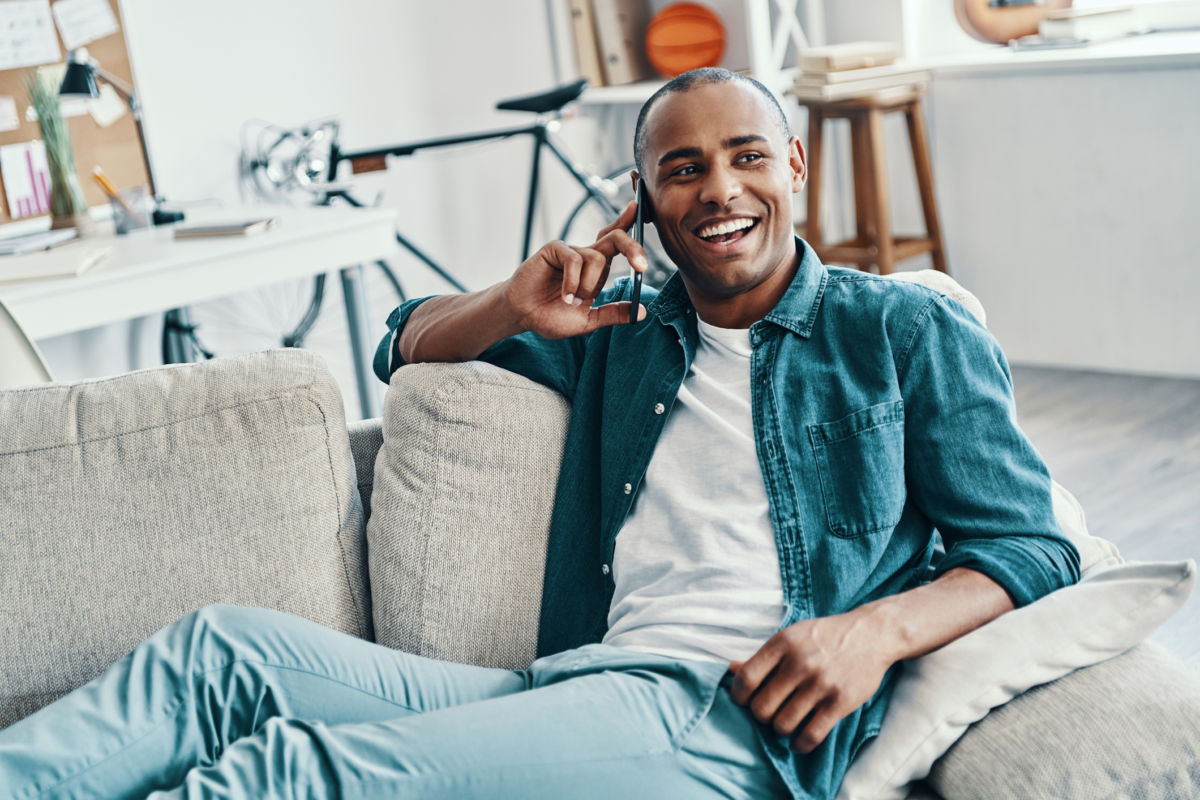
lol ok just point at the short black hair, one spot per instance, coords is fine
(701, 77)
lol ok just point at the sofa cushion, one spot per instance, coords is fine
(1127, 727)
(938, 695)
(127, 502)
(464, 488)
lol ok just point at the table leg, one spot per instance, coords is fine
(355, 296)
(177, 345)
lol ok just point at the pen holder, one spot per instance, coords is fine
(132, 211)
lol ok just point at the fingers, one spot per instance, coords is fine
(618, 241)
(569, 262)
(612, 314)
(622, 222)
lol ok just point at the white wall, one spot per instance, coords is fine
(391, 71)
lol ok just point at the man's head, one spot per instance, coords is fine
(720, 167)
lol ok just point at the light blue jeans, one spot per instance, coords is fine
(248, 703)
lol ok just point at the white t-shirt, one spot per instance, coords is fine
(696, 565)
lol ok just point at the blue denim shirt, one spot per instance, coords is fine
(882, 411)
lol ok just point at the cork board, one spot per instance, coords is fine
(115, 148)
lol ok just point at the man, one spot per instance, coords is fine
(740, 544)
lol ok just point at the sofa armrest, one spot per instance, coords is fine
(366, 437)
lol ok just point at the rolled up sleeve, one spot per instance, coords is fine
(969, 467)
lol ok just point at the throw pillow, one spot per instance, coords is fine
(938, 695)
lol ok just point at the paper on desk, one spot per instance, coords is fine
(67, 261)
(83, 21)
(108, 107)
(10, 120)
(27, 34)
(26, 178)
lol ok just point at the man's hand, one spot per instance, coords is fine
(811, 674)
(552, 292)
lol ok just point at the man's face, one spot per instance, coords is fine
(721, 177)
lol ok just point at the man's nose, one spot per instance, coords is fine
(720, 186)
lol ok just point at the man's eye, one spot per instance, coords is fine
(688, 170)
(746, 158)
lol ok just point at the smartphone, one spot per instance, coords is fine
(639, 225)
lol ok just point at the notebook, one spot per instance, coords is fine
(237, 227)
(67, 261)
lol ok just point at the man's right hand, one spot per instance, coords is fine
(551, 293)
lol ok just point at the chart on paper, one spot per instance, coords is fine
(26, 178)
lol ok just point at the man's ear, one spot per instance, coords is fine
(648, 211)
(798, 162)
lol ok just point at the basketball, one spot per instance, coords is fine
(684, 36)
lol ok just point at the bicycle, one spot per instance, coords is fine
(308, 159)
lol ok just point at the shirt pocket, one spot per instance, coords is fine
(860, 462)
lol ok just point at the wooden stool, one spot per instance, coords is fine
(873, 245)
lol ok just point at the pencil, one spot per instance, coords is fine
(111, 191)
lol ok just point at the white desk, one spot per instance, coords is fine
(150, 271)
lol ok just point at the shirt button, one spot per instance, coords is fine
(604, 569)
(659, 408)
(628, 488)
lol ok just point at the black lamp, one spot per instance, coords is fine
(80, 81)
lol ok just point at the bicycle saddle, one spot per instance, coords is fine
(540, 103)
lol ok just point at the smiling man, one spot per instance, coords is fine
(742, 548)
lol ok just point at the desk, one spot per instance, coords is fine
(150, 271)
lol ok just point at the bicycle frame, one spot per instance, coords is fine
(540, 131)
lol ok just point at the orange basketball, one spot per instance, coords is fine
(684, 36)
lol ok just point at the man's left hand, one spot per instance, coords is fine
(811, 674)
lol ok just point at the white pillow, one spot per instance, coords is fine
(940, 694)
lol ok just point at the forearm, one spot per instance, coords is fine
(915, 622)
(458, 327)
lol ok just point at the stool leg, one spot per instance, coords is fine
(812, 229)
(920, 151)
(883, 223)
(864, 221)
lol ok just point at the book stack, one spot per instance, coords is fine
(609, 40)
(844, 71)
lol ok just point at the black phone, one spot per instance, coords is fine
(639, 225)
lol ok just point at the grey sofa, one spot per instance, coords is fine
(127, 502)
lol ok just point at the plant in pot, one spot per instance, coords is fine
(68, 209)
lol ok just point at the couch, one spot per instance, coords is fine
(127, 502)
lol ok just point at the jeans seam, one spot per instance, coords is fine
(306, 671)
(172, 711)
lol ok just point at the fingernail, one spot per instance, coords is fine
(578, 301)
(639, 261)
(569, 299)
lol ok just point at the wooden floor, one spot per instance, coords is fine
(1128, 448)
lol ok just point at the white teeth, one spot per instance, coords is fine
(722, 228)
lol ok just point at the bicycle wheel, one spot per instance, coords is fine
(590, 215)
(286, 314)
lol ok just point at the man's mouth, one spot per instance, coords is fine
(725, 231)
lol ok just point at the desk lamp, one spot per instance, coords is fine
(80, 81)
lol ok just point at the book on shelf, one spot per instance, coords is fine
(587, 50)
(236, 227)
(68, 261)
(849, 55)
(843, 90)
(1092, 24)
(620, 34)
(896, 70)
(30, 242)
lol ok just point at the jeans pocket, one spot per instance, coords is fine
(860, 462)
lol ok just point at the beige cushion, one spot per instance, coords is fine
(464, 488)
(1126, 728)
(127, 502)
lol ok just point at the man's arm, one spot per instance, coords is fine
(550, 294)
(813, 673)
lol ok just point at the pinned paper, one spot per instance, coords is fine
(83, 21)
(26, 178)
(27, 34)
(108, 107)
(10, 120)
